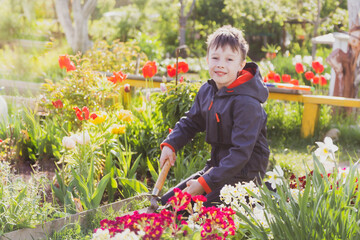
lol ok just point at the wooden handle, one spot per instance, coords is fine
(161, 179)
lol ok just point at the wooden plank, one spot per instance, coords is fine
(46, 229)
(309, 119)
(330, 100)
(286, 96)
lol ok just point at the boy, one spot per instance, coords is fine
(228, 107)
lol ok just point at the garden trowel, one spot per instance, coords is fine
(157, 188)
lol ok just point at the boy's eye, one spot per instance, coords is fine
(215, 58)
(230, 59)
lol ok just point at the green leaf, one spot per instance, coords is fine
(97, 196)
(152, 171)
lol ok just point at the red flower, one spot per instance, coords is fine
(265, 79)
(200, 198)
(316, 79)
(171, 71)
(1, 141)
(294, 81)
(318, 67)
(299, 68)
(93, 116)
(82, 114)
(181, 80)
(277, 78)
(117, 77)
(323, 80)
(183, 67)
(309, 75)
(286, 78)
(271, 75)
(58, 104)
(149, 69)
(64, 62)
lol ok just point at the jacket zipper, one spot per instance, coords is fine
(219, 127)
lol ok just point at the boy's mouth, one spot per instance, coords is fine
(220, 73)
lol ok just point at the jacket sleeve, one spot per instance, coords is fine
(248, 122)
(186, 128)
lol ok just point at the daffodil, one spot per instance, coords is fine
(117, 129)
(98, 117)
(326, 149)
(275, 176)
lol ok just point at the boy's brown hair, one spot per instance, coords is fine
(228, 35)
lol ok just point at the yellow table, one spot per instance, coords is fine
(312, 106)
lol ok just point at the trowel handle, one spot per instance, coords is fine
(161, 179)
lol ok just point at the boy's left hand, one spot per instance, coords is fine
(194, 188)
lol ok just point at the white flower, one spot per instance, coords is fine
(307, 60)
(296, 59)
(68, 142)
(275, 176)
(126, 234)
(101, 234)
(81, 138)
(326, 149)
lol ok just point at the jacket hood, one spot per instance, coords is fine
(254, 87)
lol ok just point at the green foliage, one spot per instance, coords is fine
(173, 104)
(90, 194)
(22, 204)
(149, 45)
(115, 56)
(325, 209)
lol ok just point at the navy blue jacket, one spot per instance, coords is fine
(235, 125)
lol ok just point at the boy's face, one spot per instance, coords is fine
(224, 65)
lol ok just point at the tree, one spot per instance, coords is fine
(76, 30)
(183, 20)
(354, 11)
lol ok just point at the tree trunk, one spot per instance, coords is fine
(183, 19)
(354, 11)
(76, 31)
(316, 27)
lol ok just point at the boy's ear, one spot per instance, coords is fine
(207, 59)
(243, 64)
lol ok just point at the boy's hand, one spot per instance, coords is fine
(166, 154)
(194, 188)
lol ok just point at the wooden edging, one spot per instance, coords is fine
(48, 228)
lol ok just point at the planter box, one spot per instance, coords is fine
(48, 228)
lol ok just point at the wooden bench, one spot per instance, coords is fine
(312, 107)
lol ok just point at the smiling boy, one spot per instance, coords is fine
(228, 108)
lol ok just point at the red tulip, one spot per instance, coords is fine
(286, 78)
(316, 80)
(82, 114)
(294, 81)
(299, 68)
(181, 80)
(323, 80)
(149, 69)
(171, 71)
(117, 77)
(65, 62)
(93, 116)
(309, 75)
(277, 78)
(318, 67)
(183, 67)
(58, 104)
(271, 75)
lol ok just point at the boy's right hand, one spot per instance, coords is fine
(167, 154)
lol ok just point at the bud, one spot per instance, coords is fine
(163, 87)
(127, 87)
